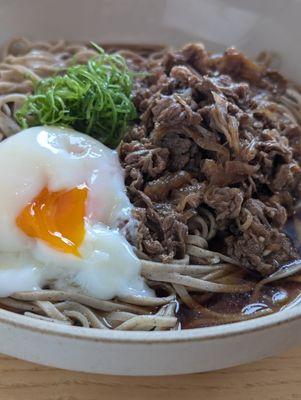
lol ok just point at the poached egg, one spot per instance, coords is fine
(62, 201)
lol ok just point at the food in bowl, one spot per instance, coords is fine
(146, 188)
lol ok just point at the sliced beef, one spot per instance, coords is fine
(181, 150)
(160, 189)
(215, 132)
(263, 254)
(144, 157)
(162, 232)
(225, 201)
(262, 247)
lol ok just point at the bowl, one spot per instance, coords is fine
(252, 26)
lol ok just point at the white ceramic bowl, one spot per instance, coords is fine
(250, 25)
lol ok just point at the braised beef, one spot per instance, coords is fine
(215, 132)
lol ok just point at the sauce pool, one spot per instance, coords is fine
(222, 308)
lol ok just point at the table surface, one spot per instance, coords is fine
(277, 378)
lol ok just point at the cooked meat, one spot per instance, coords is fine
(262, 246)
(159, 189)
(225, 201)
(217, 133)
(162, 232)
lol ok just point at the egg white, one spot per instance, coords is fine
(60, 158)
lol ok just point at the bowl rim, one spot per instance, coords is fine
(275, 320)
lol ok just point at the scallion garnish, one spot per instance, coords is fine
(94, 98)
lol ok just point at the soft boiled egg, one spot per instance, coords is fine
(62, 201)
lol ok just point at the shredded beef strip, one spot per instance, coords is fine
(212, 134)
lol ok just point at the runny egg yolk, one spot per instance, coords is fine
(56, 218)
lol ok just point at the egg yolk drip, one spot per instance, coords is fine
(56, 218)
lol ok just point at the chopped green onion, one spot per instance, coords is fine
(94, 98)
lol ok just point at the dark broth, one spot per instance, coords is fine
(233, 307)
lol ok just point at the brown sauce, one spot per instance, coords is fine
(224, 308)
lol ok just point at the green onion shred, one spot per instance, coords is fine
(94, 98)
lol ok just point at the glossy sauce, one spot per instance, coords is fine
(234, 307)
